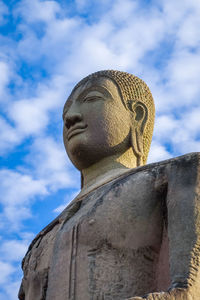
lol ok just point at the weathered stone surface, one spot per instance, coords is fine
(134, 230)
(109, 244)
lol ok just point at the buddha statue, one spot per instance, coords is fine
(133, 230)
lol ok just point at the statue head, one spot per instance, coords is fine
(107, 113)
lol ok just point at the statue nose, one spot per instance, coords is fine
(72, 119)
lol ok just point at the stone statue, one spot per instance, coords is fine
(133, 231)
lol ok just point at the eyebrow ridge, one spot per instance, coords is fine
(90, 89)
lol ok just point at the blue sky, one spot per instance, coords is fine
(48, 46)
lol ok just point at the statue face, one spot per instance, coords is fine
(96, 123)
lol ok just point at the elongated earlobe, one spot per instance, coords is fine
(140, 117)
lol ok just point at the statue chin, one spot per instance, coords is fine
(82, 156)
(79, 158)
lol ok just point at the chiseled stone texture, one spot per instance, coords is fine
(136, 235)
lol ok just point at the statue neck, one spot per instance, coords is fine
(107, 169)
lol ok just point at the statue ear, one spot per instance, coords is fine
(140, 115)
(139, 119)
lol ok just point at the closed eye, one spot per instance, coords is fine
(92, 98)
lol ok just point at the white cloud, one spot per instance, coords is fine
(28, 116)
(11, 290)
(106, 43)
(188, 34)
(4, 79)
(31, 115)
(165, 126)
(56, 32)
(177, 12)
(38, 10)
(184, 71)
(3, 13)
(6, 270)
(51, 164)
(18, 190)
(13, 250)
(157, 153)
(26, 236)
(191, 121)
(9, 136)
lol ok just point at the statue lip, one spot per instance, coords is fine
(76, 129)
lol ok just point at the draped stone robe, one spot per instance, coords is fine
(133, 235)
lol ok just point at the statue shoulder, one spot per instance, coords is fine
(186, 158)
(36, 241)
(163, 171)
(189, 161)
(182, 170)
(51, 229)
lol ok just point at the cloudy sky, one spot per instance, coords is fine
(48, 46)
